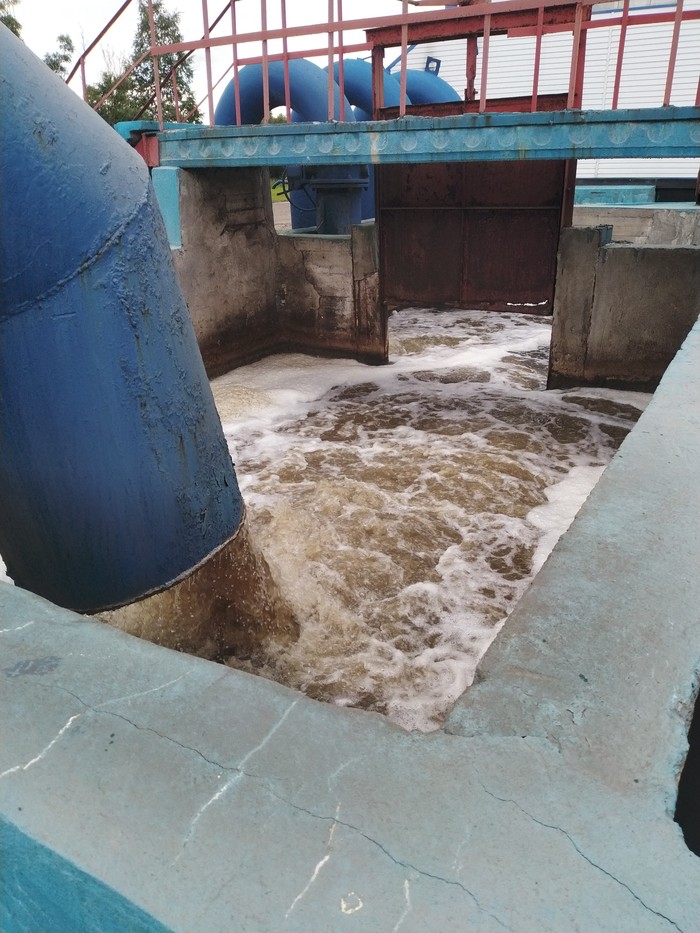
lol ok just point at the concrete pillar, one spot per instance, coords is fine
(573, 301)
(227, 265)
(621, 312)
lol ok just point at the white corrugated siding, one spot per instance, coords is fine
(511, 63)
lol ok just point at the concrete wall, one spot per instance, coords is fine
(620, 312)
(227, 264)
(649, 224)
(143, 788)
(328, 293)
(251, 292)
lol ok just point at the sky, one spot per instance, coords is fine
(44, 20)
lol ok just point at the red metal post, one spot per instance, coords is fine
(377, 80)
(581, 64)
(341, 62)
(472, 53)
(156, 63)
(83, 77)
(538, 56)
(176, 96)
(331, 76)
(207, 59)
(673, 52)
(574, 73)
(236, 88)
(265, 64)
(285, 66)
(404, 58)
(620, 53)
(484, 62)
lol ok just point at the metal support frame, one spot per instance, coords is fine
(514, 18)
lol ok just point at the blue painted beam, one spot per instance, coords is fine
(664, 132)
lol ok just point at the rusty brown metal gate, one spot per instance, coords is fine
(478, 235)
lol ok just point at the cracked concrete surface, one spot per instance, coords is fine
(214, 800)
(227, 796)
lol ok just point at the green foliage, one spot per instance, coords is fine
(58, 61)
(167, 29)
(134, 99)
(7, 16)
(121, 105)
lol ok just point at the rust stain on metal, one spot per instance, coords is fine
(481, 235)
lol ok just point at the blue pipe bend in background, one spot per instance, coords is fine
(308, 91)
(424, 87)
(115, 478)
(357, 84)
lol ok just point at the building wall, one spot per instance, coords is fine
(643, 77)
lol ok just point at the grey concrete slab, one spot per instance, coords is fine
(215, 800)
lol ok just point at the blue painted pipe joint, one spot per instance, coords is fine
(115, 477)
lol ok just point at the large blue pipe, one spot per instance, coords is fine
(424, 87)
(357, 83)
(115, 478)
(308, 89)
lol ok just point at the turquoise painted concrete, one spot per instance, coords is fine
(671, 132)
(42, 891)
(615, 194)
(166, 183)
(218, 801)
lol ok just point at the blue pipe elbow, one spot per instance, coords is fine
(308, 91)
(115, 478)
(357, 83)
(424, 87)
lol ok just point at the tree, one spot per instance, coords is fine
(122, 104)
(57, 61)
(167, 28)
(7, 16)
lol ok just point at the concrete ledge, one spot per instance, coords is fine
(653, 224)
(213, 800)
(620, 312)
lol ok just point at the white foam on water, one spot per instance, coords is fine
(404, 509)
(564, 500)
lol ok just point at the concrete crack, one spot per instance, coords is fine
(48, 748)
(583, 855)
(18, 628)
(318, 867)
(106, 712)
(237, 775)
(419, 872)
(407, 909)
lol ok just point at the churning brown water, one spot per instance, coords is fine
(404, 509)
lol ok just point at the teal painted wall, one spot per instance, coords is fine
(40, 892)
(166, 182)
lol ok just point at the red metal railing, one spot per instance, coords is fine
(536, 19)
